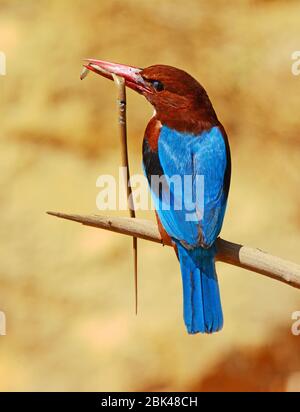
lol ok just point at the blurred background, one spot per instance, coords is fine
(67, 290)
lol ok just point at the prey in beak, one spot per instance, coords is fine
(131, 75)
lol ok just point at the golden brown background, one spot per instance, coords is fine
(67, 291)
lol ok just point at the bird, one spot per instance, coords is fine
(184, 138)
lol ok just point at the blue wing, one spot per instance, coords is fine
(191, 201)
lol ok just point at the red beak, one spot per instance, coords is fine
(131, 75)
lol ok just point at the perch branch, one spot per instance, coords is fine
(235, 254)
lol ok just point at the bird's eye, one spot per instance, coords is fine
(158, 86)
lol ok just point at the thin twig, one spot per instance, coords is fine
(121, 89)
(235, 254)
(120, 83)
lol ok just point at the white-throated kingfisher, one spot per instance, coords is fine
(185, 138)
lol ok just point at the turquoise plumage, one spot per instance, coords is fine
(193, 227)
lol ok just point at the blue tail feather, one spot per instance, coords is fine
(201, 296)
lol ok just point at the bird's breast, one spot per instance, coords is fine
(151, 161)
(152, 133)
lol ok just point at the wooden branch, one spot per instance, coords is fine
(235, 254)
(121, 89)
(121, 99)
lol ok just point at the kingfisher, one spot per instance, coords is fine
(184, 139)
